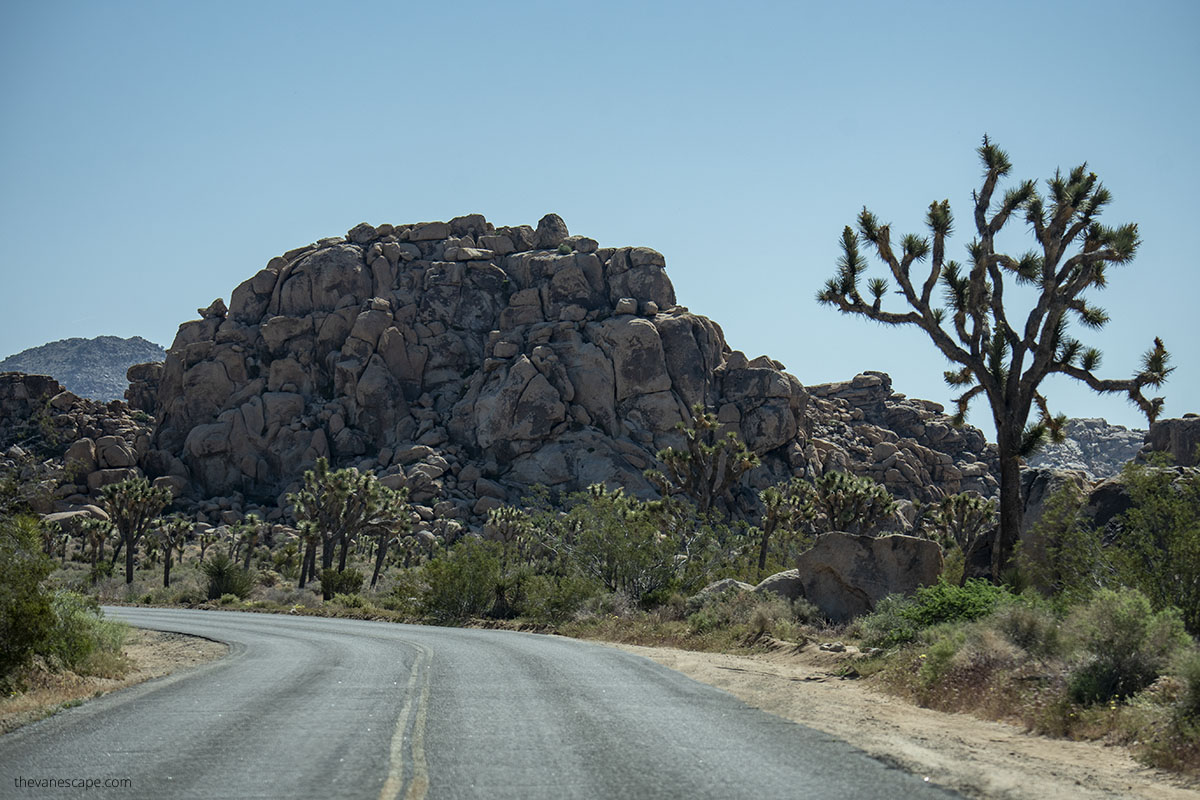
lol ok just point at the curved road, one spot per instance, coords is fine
(310, 707)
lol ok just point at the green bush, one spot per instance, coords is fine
(333, 583)
(1189, 675)
(408, 587)
(82, 640)
(349, 600)
(551, 599)
(1029, 626)
(225, 576)
(889, 624)
(26, 616)
(1127, 644)
(945, 602)
(938, 660)
(898, 619)
(462, 582)
(1158, 547)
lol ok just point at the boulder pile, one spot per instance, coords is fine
(79, 445)
(471, 362)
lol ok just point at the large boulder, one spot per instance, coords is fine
(1179, 438)
(845, 575)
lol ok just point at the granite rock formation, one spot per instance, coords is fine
(470, 362)
(1092, 446)
(75, 445)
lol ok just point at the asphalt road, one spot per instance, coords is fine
(309, 707)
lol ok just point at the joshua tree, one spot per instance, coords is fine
(709, 465)
(851, 503)
(784, 506)
(997, 354)
(390, 528)
(964, 520)
(336, 506)
(132, 506)
(172, 532)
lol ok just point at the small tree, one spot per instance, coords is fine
(708, 467)
(132, 505)
(337, 506)
(172, 532)
(998, 355)
(785, 507)
(844, 502)
(964, 520)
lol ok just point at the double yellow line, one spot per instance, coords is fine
(416, 696)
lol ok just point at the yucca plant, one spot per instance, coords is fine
(999, 355)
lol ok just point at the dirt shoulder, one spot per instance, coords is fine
(151, 654)
(975, 757)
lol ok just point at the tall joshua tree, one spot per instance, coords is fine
(996, 354)
(132, 505)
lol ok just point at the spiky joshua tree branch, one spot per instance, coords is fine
(997, 356)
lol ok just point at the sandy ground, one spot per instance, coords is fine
(975, 757)
(151, 654)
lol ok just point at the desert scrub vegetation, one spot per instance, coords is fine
(1109, 667)
(45, 629)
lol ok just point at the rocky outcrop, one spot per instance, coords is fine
(1091, 446)
(471, 362)
(90, 368)
(908, 445)
(1178, 438)
(845, 575)
(78, 445)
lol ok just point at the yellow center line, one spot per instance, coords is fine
(420, 779)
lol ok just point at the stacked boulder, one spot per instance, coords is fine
(471, 362)
(908, 445)
(84, 444)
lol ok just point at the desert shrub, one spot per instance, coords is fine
(945, 602)
(938, 658)
(1158, 547)
(26, 617)
(1030, 626)
(225, 576)
(82, 640)
(349, 601)
(889, 624)
(1062, 556)
(405, 596)
(898, 619)
(189, 596)
(333, 583)
(228, 599)
(1189, 675)
(556, 598)
(462, 582)
(1127, 645)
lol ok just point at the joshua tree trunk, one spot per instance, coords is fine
(167, 570)
(129, 563)
(380, 554)
(1011, 509)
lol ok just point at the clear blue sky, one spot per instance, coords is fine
(153, 155)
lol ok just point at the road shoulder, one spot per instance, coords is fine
(152, 654)
(975, 757)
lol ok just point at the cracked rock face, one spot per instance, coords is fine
(511, 355)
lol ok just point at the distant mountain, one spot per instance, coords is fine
(93, 368)
(1093, 446)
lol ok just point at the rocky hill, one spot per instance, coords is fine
(471, 362)
(90, 368)
(1092, 446)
